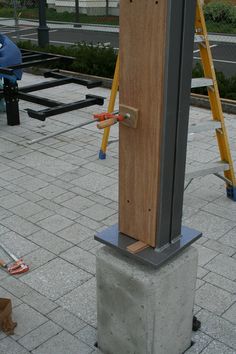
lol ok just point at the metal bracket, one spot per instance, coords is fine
(115, 239)
(131, 116)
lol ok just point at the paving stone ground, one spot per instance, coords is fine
(55, 194)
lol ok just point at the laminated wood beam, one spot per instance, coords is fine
(156, 42)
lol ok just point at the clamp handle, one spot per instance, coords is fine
(108, 119)
(107, 123)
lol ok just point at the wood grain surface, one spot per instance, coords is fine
(142, 53)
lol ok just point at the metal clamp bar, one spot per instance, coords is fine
(38, 100)
(7, 71)
(89, 101)
(33, 56)
(62, 131)
(46, 85)
(59, 133)
(88, 83)
(25, 51)
(31, 63)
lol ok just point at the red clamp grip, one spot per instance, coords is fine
(107, 119)
(103, 116)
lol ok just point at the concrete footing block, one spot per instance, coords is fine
(142, 310)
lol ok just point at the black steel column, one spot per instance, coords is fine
(43, 30)
(183, 116)
(10, 90)
(77, 16)
(176, 115)
(107, 7)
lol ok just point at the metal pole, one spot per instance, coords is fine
(107, 7)
(43, 30)
(77, 15)
(16, 19)
(60, 132)
(64, 131)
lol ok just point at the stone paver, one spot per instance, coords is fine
(81, 259)
(39, 302)
(9, 346)
(94, 182)
(214, 299)
(19, 225)
(223, 265)
(56, 278)
(17, 244)
(98, 212)
(230, 314)
(27, 320)
(82, 302)
(218, 328)
(55, 195)
(38, 257)
(218, 348)
(88, 335)
(49, 241)
(76, 233)
(63, 343)
(40, 335)
(55, 223)
(66, 320)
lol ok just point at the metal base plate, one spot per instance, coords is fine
(154, 257)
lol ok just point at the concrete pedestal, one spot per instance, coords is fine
(142, 310)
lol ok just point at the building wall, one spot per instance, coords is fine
(89, 7)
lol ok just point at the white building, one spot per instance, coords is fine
(89, 7)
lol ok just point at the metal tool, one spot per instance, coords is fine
(64, 131)
(17, 267)
(107, 119)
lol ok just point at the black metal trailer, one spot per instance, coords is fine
(12, 93)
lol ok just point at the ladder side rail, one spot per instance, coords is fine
(111, 106)
(214, 96)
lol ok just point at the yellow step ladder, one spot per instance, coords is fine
(225, 164)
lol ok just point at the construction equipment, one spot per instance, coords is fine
(13, 61)
(97, 118)
(17, 266)
(225, 164)
(215, 102)
(108, 119)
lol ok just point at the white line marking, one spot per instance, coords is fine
(16, 30)
(29, 34)
(60, 42)
(211, 46)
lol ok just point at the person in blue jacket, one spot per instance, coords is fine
(10, 54)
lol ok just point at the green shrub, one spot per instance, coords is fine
(232, 15)
(89, 59)
(100, 61)
(220, 12)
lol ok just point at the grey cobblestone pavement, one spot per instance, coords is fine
(55, 194)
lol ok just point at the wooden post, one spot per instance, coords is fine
(145, 48)
(143, 25)
(156, 51)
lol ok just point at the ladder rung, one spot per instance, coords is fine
(201, 82)
(212, 168)
(199, 39)
(204, 127)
